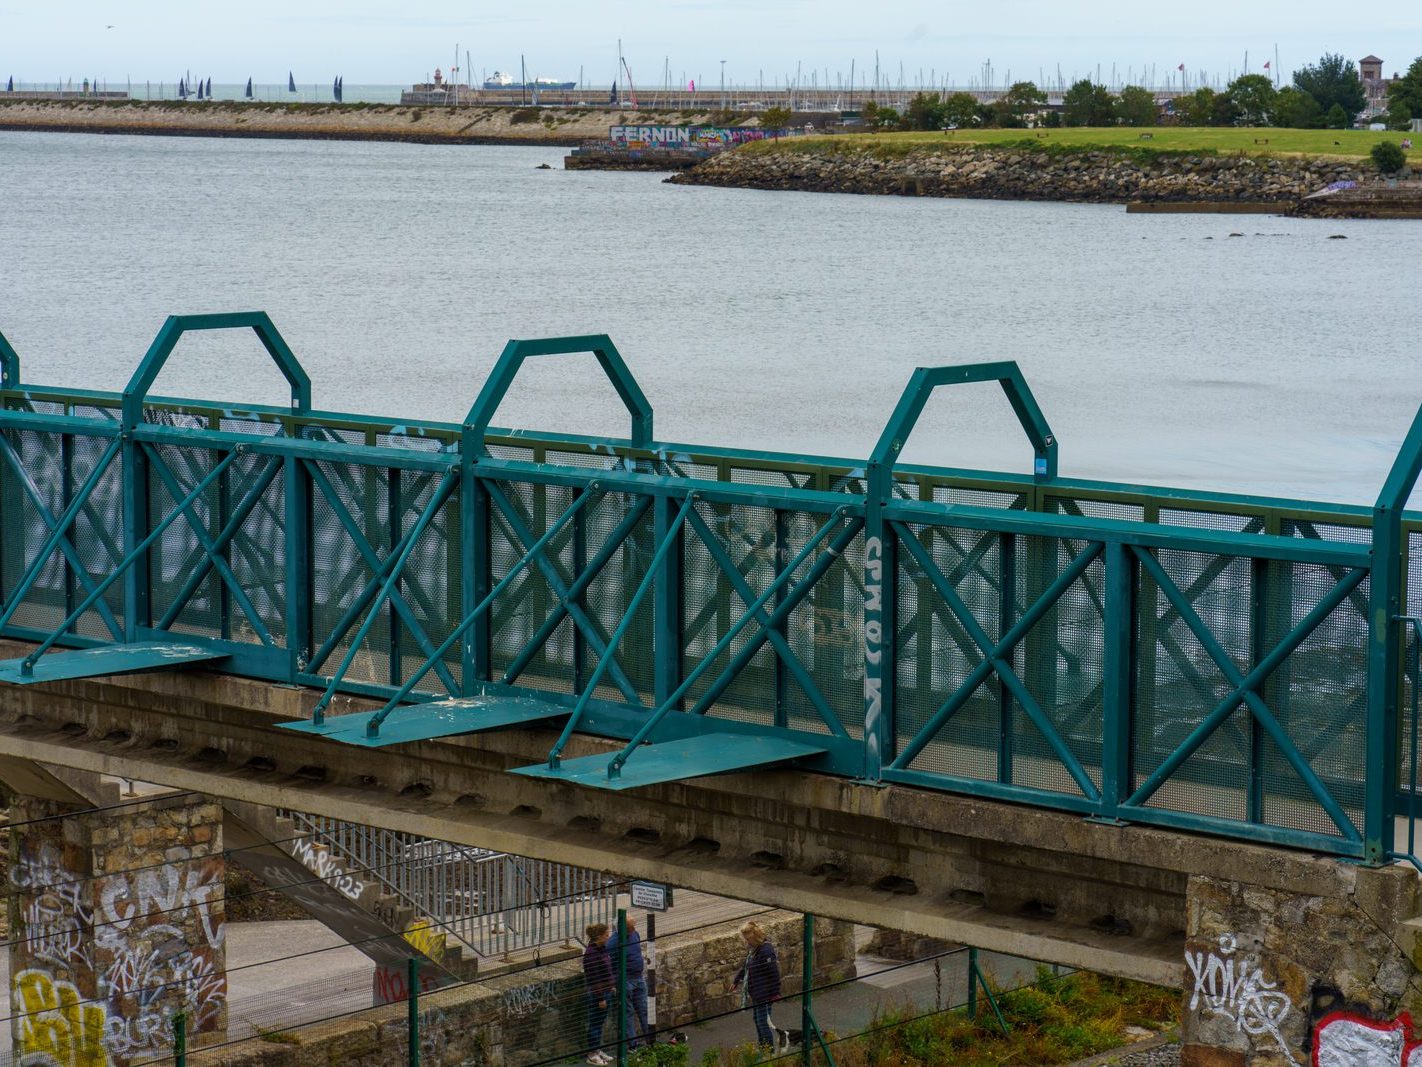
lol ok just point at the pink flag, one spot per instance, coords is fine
(693, 85)
(1181, 68)
(1266, 65)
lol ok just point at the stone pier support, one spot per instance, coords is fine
(1325, 976)
(118, 924)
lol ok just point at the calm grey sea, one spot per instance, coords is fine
(1162, 348)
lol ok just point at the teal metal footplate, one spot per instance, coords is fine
(106, 660)
(676, 761)
(439, 718)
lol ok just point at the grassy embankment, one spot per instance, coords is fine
(1214, 140)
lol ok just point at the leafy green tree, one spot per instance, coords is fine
(1253, 98)
(1198, 108)
(1087, 104)
(1399, 116)
(1408, 89)
(1021, 100)
(1226, 111)
(1389, 157)
(1297, 110)
(924, 112)
(1333, 80)
(1337, 118)
(1136, 107)
(960, 110)
(887, 118)
(776, 118)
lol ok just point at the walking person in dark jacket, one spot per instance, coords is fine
(598, 973)
(635, 995)
(759, 983)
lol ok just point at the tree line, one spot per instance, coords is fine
(1326, 94)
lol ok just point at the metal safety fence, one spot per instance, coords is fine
(493, 903)
(1209, 662)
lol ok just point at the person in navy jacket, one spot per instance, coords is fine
(635, 995)
(759, 982)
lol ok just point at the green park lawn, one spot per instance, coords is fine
(1349, 144)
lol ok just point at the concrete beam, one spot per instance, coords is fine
(1005, 877)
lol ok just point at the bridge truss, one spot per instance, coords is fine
(1209, 662)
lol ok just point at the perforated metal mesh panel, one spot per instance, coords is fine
(56, 468)
(936, 654)
(341, 573)
(1316, 695)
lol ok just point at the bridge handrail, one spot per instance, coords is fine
(173, 329)
(517, 352)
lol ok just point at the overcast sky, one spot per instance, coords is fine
(386, 43)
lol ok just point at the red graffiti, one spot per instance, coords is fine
(1344, 1039)
(392, 985)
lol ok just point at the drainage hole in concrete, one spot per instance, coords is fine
(585, 822)
(261, 764)
(527, 811)
(417, 789)
(1039, 909)
(1113, 924)
(311, 772)
(897, 885)
(645, 834)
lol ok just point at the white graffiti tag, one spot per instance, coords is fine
(1232, 984)
(320, 862)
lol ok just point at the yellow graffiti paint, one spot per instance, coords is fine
(423, 936)
(56, 1023)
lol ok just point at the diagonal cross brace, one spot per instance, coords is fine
(753, 612)
(773, 635)
(59, 531)
(379, 569)
(372, 727)
(27, 665)
(1246, 690)
(782, 611)
(66, 546)
(589, 574)
(979, 674)
(653, 569)
(555, 582)
(212, 550)
(408, 542)
(994, 655)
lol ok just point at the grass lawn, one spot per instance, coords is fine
(1349, 144)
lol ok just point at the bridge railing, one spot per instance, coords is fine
(1176, 657)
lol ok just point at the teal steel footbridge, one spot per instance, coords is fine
(1216, 663)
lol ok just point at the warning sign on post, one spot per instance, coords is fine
(651, 896)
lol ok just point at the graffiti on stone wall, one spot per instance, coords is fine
(1345, 1039)
(53, 910)
(391, 985)
(1230, 983)
(424, 936)
(56, 1026)
(318, 860)
(158, 938)
(522, 1001)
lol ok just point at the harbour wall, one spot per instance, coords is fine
(353, 122)
(1010, 172)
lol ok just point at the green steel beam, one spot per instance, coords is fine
(511, 360)
(176, 325)
(9, 365)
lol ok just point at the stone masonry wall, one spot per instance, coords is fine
(1008, 173)
(1271, 975)
(695, 972)
(532, 1016)
(119, 925)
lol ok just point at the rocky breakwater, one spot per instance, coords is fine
(1024, 172)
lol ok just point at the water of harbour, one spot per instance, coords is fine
(1161, 348)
